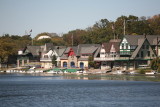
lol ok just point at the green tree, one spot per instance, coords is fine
(54, 62)
(10, 44)
(90, 61)
(155, 64)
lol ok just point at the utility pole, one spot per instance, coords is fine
(157, 46)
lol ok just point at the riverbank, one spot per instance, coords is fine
(77, 71)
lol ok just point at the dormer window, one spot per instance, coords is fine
(126, 45)
(122, 46)
(45, 56)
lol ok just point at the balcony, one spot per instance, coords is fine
(125, 53)
(104, 58)
(110, 58)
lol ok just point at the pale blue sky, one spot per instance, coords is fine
(61, 16)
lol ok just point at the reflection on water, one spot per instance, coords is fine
(70, 90)
(138, 77)
(114, 77)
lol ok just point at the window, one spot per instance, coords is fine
(133, 47)
(102, 52)
(45, 56)
(141, 53)
(143, 46)
(126, 45)
(25, 61)
(122, 46)
(147, 46)
(137, 55)
(148, 53)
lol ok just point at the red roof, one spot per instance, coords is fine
(71, 52)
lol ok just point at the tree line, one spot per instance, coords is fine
(102, 31)
(10, 44)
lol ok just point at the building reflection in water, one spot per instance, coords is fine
(99, 77)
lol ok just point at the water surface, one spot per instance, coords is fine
(24, 90)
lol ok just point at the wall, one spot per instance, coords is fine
(46, 64)
(85, 63)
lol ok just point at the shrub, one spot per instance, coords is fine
(142, 71)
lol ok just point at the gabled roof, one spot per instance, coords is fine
(87, 48)
(34, 50)
(66, 51)
(133, 39)
(60, 51)
(49, 46)
(97, 51)
(141, 42)
(107, 46)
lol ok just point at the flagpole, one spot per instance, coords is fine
(113, 28)
(124, 24)
(30, 36)
(72, 39)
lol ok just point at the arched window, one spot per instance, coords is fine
(64, 64)
(81, 65)
(72, 65)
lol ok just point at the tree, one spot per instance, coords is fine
(6, 49)
(10, 44)
(103, 23)
(90, 61)
(54, 62)
(155, 64)
(154, 23)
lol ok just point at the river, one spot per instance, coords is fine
(39, 90)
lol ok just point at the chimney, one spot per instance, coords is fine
(145, 35)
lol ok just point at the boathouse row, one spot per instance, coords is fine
(130, 52)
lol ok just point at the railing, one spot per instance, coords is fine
(104, 59)
(110, 58)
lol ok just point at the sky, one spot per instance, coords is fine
(18, 17)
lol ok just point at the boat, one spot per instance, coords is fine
(52, 72)
(119, 72)
(80, 71)
(133, 72)
(151, 73)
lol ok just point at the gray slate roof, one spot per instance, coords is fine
(133, 39)
(83, 49)
(87, 48)
(34, 50)
(49, 46)
(141, 41)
